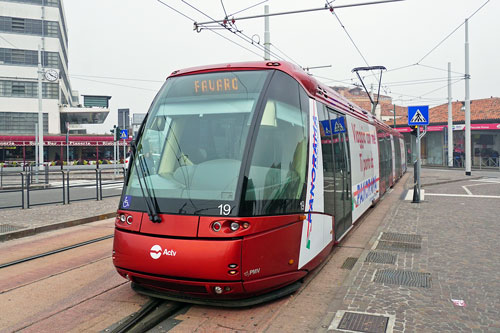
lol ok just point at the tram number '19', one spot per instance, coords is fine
(224, 209)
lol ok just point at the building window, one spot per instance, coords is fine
(52, 3)
(21, 122)
(29, 58)
(28, 89)
(17, 24)
(18, 56)
(33, 27)
(18, 89)
(51, 28)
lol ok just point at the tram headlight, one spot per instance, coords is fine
(216, 226)
(122, 218)
(218, 290)
(234, 226)
(129, 219)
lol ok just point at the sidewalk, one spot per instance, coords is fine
(16, 222)
(429, 267)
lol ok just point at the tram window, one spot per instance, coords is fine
(325, 126)
(277, 171)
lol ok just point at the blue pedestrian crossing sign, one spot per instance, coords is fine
(418, 115)
(124, 134)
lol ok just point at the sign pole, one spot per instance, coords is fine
(416, 170)
(418, 116)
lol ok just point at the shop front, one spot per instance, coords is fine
(434, 147)
(20, 150)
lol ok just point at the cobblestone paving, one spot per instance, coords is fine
(461, 251)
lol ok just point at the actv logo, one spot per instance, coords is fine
(156, 252)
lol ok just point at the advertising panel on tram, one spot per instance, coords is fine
(365, 165)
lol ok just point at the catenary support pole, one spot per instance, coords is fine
(468, 153)
(267, 35)
(394, 113)
(450, 120)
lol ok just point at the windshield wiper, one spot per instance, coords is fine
(150, 199)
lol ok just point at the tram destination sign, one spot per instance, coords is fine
(418, 115)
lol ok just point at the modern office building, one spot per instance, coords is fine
(27, 26)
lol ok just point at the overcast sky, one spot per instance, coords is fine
(140, 42)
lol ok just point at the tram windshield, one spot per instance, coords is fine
(194, 139)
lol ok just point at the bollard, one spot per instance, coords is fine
(416, 188)
(98, 184)
(22, 190)
(28, 181)
(63, 193)
(67, 186)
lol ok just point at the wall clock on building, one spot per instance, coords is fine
(51, 75)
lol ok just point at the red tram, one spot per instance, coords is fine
(242, 179)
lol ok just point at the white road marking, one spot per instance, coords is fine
(467, 190)
(409, 195)
(487, 180)
(464, 195)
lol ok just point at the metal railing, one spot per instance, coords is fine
(83, 185)
(43, 187)
(33, 188)
(489, 162)
(110, 184)
(8, 185)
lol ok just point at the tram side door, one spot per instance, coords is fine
(342, 173)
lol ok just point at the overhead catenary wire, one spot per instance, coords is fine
(250, 40)
(215, 32)
(302, 11)
(350, 38)
(289, 58)
(451, 33)
(392, 84)
(418, 63)
(113, 84)
(115, 78)
(260, 3)
(440, 69)
(414, 98)
(236, 32)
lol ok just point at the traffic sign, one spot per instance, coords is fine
(418, 115)
(124, 134)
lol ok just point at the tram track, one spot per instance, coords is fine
(52, 252)
(151, 314)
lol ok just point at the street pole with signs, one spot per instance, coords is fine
(417, 116)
